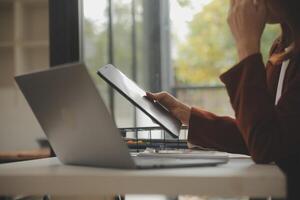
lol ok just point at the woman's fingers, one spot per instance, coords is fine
(262, 7)
(232, 5)
(178, 109)
(163, 98)
(150, 96)
(247, 20)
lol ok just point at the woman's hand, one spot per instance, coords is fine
(247, 20)
(178, 109)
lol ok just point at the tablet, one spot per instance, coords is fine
(133, 93)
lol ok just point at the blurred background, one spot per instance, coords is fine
(179, 46)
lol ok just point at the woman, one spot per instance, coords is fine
(266, 100)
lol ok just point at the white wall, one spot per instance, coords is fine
(19, 129)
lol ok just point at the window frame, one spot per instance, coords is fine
(64, 32)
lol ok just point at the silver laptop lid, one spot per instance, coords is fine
(73, 116)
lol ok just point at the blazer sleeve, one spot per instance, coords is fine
(215, 132)
(224, 133)
(270, 132)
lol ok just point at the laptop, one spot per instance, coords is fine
(80, 129)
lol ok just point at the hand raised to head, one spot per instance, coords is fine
(247, 20)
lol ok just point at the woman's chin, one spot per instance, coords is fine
(273, 22)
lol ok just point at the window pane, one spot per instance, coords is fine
(96, 41)
(125, 40)
(142, 72)
(122, 34)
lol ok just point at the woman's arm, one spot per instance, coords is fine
(205, 129)
(270, 132)
(211, 131)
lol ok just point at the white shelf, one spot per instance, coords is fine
(33, 1)
(6, 21)
(24, 42)
(36, 44)
(24, 47)
(35, 59)
(35, 20)
(26, 37)
(28, 44)
(6, 44)
(6, 66)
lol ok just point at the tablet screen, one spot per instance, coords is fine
(132, 92)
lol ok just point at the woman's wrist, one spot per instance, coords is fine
(247, 49)
(188, 114)
(185, 114)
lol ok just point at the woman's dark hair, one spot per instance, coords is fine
(290, 30)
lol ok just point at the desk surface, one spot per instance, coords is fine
(240, 177)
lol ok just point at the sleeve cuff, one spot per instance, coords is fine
(236, 70)
(195, 121)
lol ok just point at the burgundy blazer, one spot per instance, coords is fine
(267, 132)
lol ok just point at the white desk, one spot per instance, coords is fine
(240, 177)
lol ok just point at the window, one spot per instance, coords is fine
(115, 32)
(203, 48)
(181, 46)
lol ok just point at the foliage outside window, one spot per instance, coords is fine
(208, 49)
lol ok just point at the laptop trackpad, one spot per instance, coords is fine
(150, 163)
